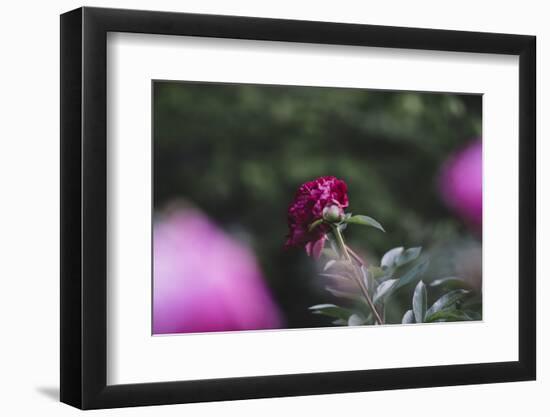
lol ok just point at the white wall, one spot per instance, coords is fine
(29, 264)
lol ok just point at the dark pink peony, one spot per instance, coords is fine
(308, 205)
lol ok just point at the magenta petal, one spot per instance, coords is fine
(315, 248)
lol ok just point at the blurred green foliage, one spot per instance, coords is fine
(239, 152)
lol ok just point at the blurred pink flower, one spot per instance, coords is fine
(461, 183)
(206, 281)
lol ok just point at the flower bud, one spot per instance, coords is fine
(333, 214)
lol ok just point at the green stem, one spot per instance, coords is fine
(344, 252)
(341, 244)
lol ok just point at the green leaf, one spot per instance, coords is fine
(369, 320)
(449, 315)
(331, 310)
(368, 279)
(474, 302)
(356, 320)
(329, 264)
(408, 317)
(376, 272)
(384, 290)
(322, 306)
(344, 294)
(335, 276)
(364, 221)
(446, 301)
(408, 256)
(340, 267)
(473, 315)
(389, 258)
(314, 224)
(419, 302)
(412, 274)
(450, 283)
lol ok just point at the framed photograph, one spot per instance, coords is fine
(258, 208)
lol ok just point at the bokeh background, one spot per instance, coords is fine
(228, 159)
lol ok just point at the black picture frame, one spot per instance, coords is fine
(84, 207)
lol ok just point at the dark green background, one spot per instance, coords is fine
(239, 152)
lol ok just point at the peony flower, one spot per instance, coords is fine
(461, 184)
(310, 202)
(206, 281)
